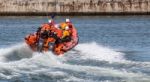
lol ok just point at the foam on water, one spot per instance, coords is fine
(19, 63)
(98, 52)
(16, 52)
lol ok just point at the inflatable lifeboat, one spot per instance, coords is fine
(48, 37)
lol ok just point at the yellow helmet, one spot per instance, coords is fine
(63, 26)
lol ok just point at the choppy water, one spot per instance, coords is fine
(111, 49)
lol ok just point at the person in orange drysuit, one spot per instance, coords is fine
(49, 34)
(46, 35)
(31, 40)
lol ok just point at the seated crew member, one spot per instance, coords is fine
(51, 28)
(74, 36)
(46, 40)
(65, 32)
(70, 25)
(72, 29)
(31, 40)
(64, 38)
(49, 34)
(45, 35)
(47, 26)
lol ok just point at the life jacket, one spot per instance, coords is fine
(59, 32)
(31, 40)
(65, 33)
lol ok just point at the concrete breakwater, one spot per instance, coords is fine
(75, 7)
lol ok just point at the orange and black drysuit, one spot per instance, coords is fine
(32, 40)
(49, 33)
(47, 36)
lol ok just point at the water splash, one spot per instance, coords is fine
(98, 52)
(14, 53)
(19, 63)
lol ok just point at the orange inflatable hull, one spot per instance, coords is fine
(48, 44)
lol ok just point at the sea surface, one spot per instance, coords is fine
(110, 49)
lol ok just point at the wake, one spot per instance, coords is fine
(19, 63)
(15, 53)
(97, 52)
(85, 51)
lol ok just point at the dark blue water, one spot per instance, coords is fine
(111, 49)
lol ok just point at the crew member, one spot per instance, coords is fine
(58, 49)
(49, 34)
(73, 34)
(31, 40)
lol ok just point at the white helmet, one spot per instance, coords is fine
(50, 21)
(66, 28)
(67, 20)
